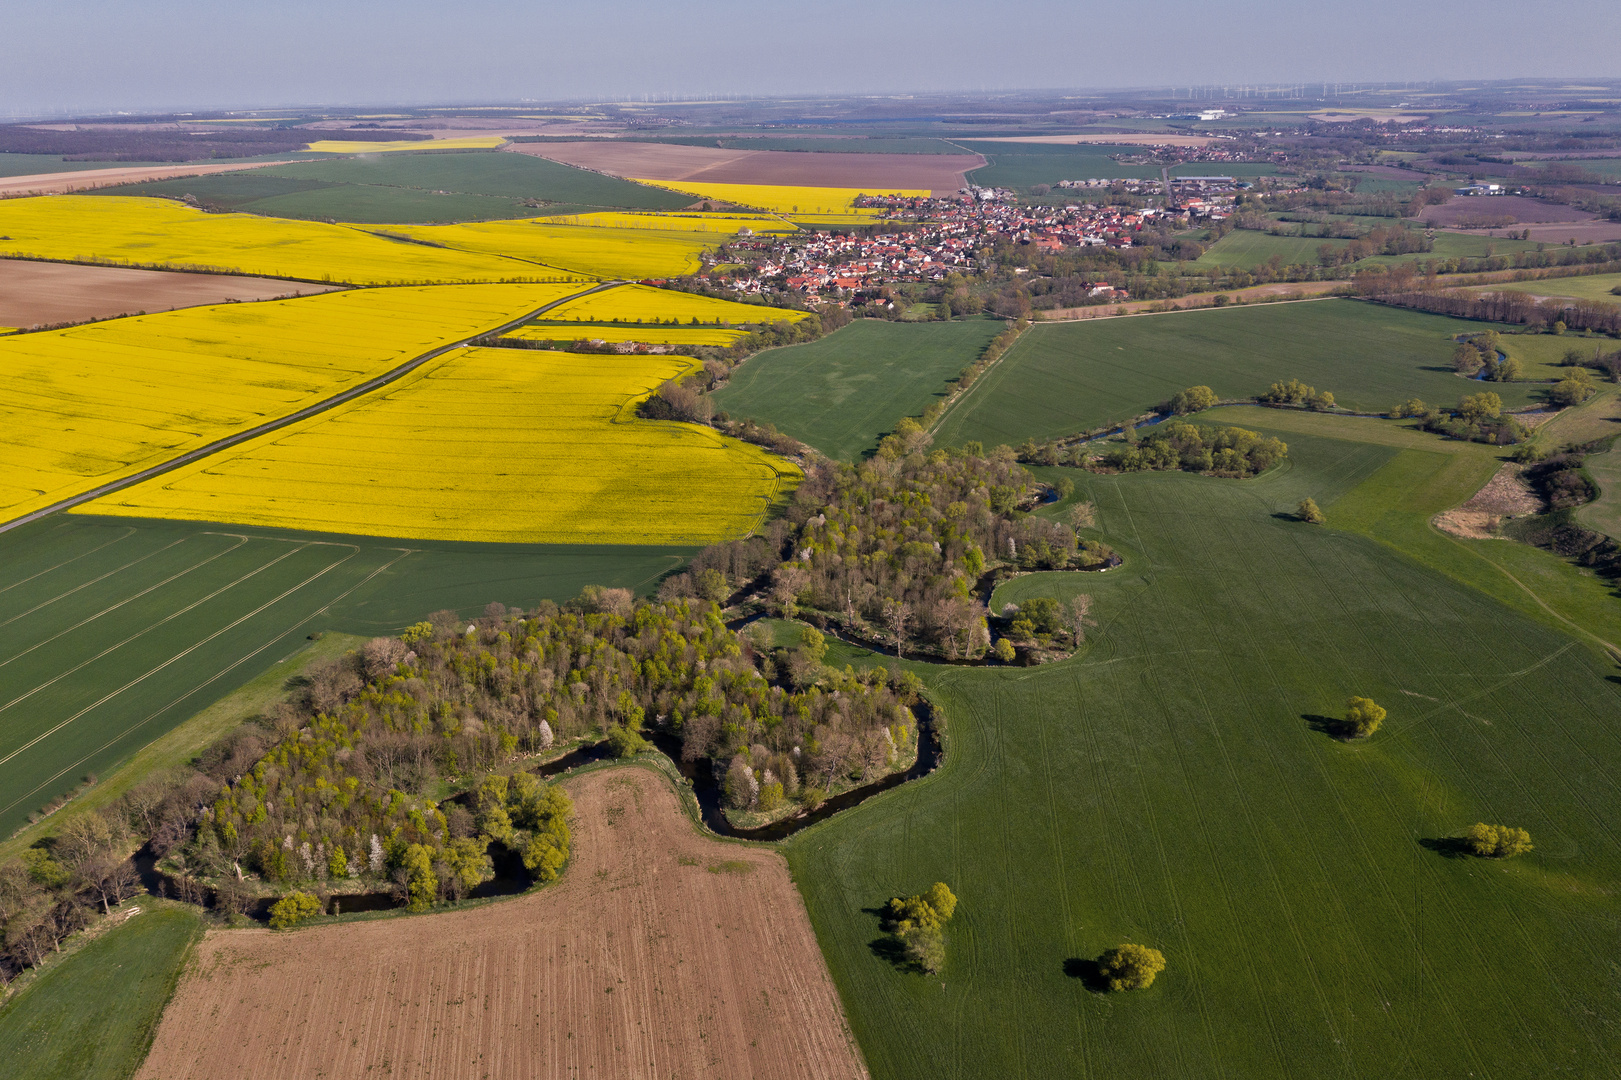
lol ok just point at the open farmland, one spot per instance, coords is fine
(1020, 164)
(162, 233)
(842, 393)
(93, 1016)
(661, 952)
(792, 201)
(728, 224)
(91, 404)
(1170, 787)
(1600, 287)
(642, 303)
(1061, 379)
(487, 444)
(651, 334)
(62, 177)
(41, 293)
(416, 188)
(666, 162)
(601, 252)
(348, 146)
(1248, 248)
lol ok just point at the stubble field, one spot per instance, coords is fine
(661, 953)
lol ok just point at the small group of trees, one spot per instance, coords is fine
(919, 922)
(1041, 619)
(1481, 354)
(1218, 451)
(1497, 841)
(1193, 399)
(1573, 389)
(1295, 392)
(1131, 967)
(1362, 717)
(1477, 418)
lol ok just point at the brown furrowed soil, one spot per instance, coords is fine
(63, 182)
(42, 293)
(661, 953)
(940, 173)
(1514, 209)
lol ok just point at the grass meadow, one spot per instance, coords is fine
(93, 1016)
(1600, 287)
(1070, 377)
(1246, 249)
(1172, 785)
(844, 392)
(1023, 165)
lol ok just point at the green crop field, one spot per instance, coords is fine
(1173, 786)
(829, 145)
(1071, 377)
(404, 187)
(1021, 165)
(112, 632)
(32, 164)
(92, 1017)
(840, 394)
(1247, 248)
(1600, 287)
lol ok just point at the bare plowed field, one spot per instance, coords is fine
(60, 183)
(940, 173)
(660, 954)
(1458, 213)
(40, 293)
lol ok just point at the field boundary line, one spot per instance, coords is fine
(127, 600)
(177, 656)
(148, 629)
(1188, 310)
(131, 532)
(212, 678)
(979, 380)
(340, 398)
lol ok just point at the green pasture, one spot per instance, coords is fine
(1173, 785)
(829, 145)
(1600, 287)
(405, 187)
(1022, 165)
(93, 1016)
(1063, 378)
(842, 393)
(1542, 355)
(1246, 249)
(113, 632)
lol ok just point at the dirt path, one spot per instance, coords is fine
(662, 953)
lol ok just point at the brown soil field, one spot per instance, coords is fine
(1119, 139)
(661, 953)
(61, 183)
(42, 293)
(1583, 232)
(940, 173)
(1520, 209)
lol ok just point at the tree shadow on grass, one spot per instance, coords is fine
(1448, 847)
(890, 948)
(1332, 726)
(1090, 972)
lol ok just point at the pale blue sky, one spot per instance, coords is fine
(81, 55)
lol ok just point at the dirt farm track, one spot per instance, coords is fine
(643, 961)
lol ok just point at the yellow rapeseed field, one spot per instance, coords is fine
(486, 444)
(86, 405)
(603, 252)
(792, 201)
(123, 230)
(643, 303)
(343, 146)
(728, 224)
(652, 334)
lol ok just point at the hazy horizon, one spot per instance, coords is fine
(96, 56)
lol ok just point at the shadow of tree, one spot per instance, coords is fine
(890, 948)
(1448, 847)
(1090, 972)
(1331, 726)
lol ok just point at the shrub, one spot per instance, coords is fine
(930, 909)
(1308, 512)
(925, 948)
(1363, 717)
(624, 742)
(1004, 651)
(1497, 841)
(1131, 967)
(292, 909)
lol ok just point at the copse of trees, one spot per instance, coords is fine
(1193, 399)
(1219, 451)
(1131, 967)
(919, 923)
(1497, 841)
(1477, 418)
(893, 548)
(1295, 392)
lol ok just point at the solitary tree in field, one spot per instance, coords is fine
(1080, 616)
(1131, 967)
(1497, 841)
(1308, 512)
(919, 922)
(1363, 717)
